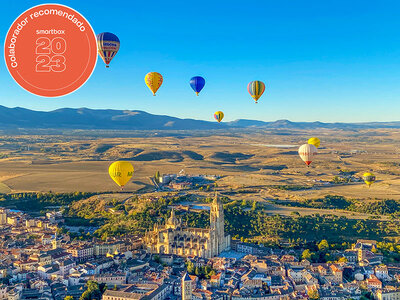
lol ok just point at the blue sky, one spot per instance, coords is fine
(321, 60)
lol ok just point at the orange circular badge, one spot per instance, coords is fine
(50, 50)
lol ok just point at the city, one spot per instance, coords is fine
(174, 262)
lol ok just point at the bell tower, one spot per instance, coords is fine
(217, 226)
(186, 287)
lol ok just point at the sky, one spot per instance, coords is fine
(329, 61)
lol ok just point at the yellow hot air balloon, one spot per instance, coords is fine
(153, 80)
(369, 178)
(218, 115)
(314, 141)
(121, 172)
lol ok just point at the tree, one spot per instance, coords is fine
(157, 177)
(323, 245)
(313, 294)
(254, 207)
(92, 292)
(190, 267)
(69, 298)
(157, 259)
(307, 254)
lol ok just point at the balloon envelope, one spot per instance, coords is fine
(218, 115)
(153, 80)
(197, 83)
(307, 153)
(314, 141)
(369, 178)
(256, 89)
(121, 172)
(107, 46)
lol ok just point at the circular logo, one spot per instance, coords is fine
(50, 50)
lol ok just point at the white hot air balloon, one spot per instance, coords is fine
(307, 153)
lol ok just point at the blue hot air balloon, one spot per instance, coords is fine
(197, 83)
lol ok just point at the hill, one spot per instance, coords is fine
(92, 119)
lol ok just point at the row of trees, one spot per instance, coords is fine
(249, 224)
(379, 207)
(39, 201)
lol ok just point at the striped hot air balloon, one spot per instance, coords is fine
(256, 89)
(153, 80)
(218, 115)
(307, 153)
(107, 46)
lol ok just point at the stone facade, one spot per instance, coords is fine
(174, 238)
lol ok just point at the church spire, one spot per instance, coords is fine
(215, 201)
(172, 221)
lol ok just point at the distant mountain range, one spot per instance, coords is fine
(84, 118)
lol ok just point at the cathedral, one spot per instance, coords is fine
(174, 238)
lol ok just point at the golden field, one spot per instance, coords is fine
(244, 160)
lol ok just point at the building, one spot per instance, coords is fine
(187, 288)
(145, 291)
(388, 294)
(110, 279)
(3, 216)
(382, 272)
(81, 252)
(373, 282)
(101, 249)
(174, 238)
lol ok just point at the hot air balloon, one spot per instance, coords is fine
(256, 89)
(369, 178)
(121, 172)
(314, 141)
(307, 153)
(197, 83)
(153, 80)
(107, 46)
(219, 115)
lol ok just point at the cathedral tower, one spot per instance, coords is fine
(217, 226)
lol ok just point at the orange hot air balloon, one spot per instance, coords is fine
(153, 80)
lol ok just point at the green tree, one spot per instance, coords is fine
(157, 259)
(307, 254)
(313, 294)
(92, 292)
(323, 245)
(190, 267)
(157, 177)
